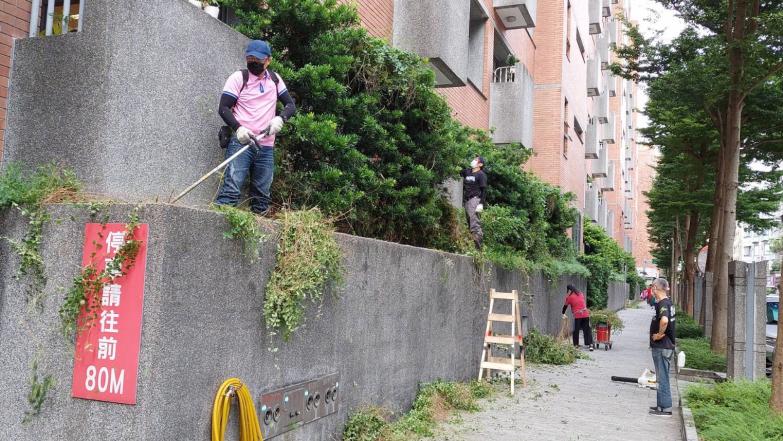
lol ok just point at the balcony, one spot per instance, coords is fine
(627, 243)
(611, 83)
(511, 106)
(602, 213)
(611, 30)
(606, 8)
(592, 143)
(629, 193)
(601, 110)
(628, 216)
(594, 77)
(439, 31)
(600, 166)
(595, 16)
(591, 202)
(516, 14)
(607, 184)
(602, 46)
(608, 129)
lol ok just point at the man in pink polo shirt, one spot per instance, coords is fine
(249, 106)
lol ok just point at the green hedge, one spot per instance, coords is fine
(699, 356)
(687, 327)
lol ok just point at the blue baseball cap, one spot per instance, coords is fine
(259, 49)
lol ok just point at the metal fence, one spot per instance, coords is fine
(505, 74)
(58, 20)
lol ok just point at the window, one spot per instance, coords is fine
(566, 128)
(746, 251)
(568, 32)
(578, 130)
(580, 44)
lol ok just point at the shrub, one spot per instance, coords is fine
(606, 262)
(373, 141)
(733, 411)
(544, 349)
(699, 356)
(687, 327)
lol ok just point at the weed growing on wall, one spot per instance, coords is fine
(244, 227)
(85, 291)
(28, 192)
(39, 390)
(434, 402)
(308, 260)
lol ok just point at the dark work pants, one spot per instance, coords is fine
(584, 325)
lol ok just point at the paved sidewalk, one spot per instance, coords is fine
(577, 402)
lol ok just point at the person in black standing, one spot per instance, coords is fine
(474, 186)
(662, 346)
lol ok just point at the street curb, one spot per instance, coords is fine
(687, 424)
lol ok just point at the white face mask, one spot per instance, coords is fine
(474, 163)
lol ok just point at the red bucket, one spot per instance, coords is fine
(602, 332)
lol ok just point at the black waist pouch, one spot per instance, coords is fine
(224, 136)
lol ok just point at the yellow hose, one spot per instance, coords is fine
(249, 429)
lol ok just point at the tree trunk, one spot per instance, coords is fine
(737, 25)
(689, 257)
(776, 400)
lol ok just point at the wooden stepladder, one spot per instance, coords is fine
(490, 362)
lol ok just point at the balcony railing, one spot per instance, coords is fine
(58, 20)
(505, 74)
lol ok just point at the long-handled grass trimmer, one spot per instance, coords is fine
(253, 142)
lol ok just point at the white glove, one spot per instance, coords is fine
(276, 125)
(479, 208)
(244, 135)
(565, 316)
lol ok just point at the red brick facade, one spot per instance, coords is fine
(14, 23)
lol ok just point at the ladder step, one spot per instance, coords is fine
(501, 317)
(517, 362)
(500, 339)
(497, 366)
(503, 295)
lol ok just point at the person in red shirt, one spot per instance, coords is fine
(578, 302)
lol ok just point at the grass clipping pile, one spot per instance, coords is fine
(308, 261)
(545, 349)
(434, 403)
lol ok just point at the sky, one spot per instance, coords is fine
(652, 17)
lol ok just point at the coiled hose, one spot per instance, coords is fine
(249, 429)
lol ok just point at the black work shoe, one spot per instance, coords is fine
(655, 408)
(659, 412)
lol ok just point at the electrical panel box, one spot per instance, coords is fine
(293, 406)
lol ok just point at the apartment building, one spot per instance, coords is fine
(537, 73)
(534, 72)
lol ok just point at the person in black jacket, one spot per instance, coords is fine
(474, 186)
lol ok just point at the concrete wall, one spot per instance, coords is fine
(130, 103)
(405, 315)
(617, 294)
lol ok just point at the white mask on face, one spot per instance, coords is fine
(474, 163)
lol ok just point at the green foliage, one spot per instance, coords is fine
(607, 316)
(433, 401)
(545, 349)
(85, 291)
(373, 142)
(699, 356)
(687, 327)
(28, 191)
(38, 393)
(606, 262)
(733, 411)
(308, 259)
(244, 226)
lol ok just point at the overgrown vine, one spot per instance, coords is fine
(308, 260)
(87, 285)
(29, 192)
(244, 226)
